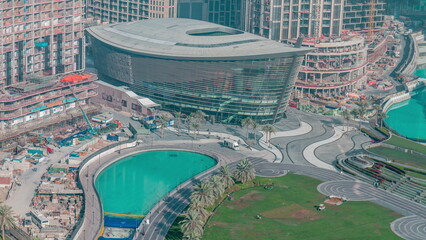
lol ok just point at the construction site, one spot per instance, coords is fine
(45, 106)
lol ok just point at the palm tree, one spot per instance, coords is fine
(377, 109)
(356, 114)
(363, 109)
(347, 116)
(244, 171)
(226, 176)
(212, 119)
(382, 115)
(200, 115)
(6, 219)
(246, 122)
(191, 225)
(202, 195)
(217, 186)
(268, 129)
(179, 116)
(199, 212)
(255, 126)
(196, 125)
(163, 122)
(189, 120)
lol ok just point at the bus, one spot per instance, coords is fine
(39, 219)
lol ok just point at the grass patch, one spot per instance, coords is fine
(288, 212)
(400, 157)
(405, 143)
(415, 174)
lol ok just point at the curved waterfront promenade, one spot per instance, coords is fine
(92, 218)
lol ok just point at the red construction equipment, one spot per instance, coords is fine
(49, 150)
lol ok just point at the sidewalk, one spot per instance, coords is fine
(303, 129)
(309, 151)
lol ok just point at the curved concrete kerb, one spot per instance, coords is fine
(309, 151)
(303, 129)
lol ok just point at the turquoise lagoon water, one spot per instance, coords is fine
(136, 183)
(409, 117)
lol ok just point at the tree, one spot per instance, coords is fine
(200, 115)
(356, 114)
(202, 195)
(192, 226)
(382, 116)
(244, 171)
(189, 120)
(163, 122)
(268, 130)
(346, 115)
(6, 219)
(226, 176)
(246, 122)
(255, 126)
(377, 109)
(217, 186)
(363, 109)
(179, 116)
(212, 119)
(199, 212)
(196, 125)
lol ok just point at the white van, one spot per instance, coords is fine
(232, 144)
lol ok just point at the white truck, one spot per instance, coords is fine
(232, 144)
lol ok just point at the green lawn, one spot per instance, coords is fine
(400, 157)
(405, 143)
(288, 212)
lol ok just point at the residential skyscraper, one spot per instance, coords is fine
(408, 8)
(229, 13)
(112, 11)
(40, 37)
(288, 19)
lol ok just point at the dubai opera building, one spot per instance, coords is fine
(189, 65)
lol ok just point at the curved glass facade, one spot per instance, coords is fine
(228, 89)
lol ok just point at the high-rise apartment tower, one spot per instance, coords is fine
(288, 19)
(40, 37)
(112, 11)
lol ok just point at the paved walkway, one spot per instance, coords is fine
(309, 151)
(303, 129)
(214, 134)
(410, 228)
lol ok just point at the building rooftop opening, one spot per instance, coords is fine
(211, 32)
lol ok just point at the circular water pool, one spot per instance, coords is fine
(409, 117)
(133, 185)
